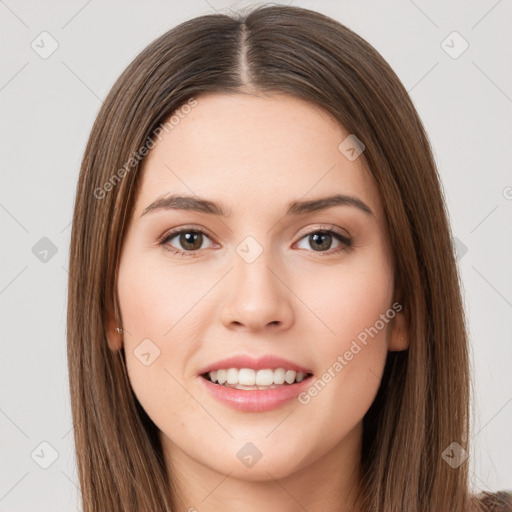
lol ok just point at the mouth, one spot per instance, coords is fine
(249, 379)
(255, 391)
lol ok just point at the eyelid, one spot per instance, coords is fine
(318, 227)
(176, 231)
(343, 233)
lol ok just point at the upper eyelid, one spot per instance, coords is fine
(173, 232)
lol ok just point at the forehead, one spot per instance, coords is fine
(261, 151)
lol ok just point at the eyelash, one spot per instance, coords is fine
(346, 242)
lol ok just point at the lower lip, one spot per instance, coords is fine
(256, 400)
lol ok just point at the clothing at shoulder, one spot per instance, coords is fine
(500, 501)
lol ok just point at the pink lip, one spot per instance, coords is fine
(260, 363)
(256, 400)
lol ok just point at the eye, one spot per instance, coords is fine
(321, 240)
(191, 240)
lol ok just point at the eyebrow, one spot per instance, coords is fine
(197, 204)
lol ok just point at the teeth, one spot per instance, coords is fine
(300, 376)
(245, 378)
(232, 376)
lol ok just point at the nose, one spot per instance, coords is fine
(257, 297)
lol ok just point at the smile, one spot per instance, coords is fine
(248, 378)
(254, 398)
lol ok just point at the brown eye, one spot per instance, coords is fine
(188, 241)
(321, 240)
(191, 240)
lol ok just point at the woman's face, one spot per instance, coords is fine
(257, 281)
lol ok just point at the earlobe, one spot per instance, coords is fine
(399, 336)
(398, 343)
(113, 332)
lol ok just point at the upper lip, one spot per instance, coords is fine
(257, 363)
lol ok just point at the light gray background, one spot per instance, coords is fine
(48, 107)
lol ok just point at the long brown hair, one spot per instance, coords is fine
(422, 405)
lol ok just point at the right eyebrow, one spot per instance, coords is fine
(193, 203)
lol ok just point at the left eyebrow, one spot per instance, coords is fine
(194, 203)
(300, 207)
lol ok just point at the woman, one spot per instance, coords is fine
(264, 306)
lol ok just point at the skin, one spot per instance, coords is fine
(254, 155)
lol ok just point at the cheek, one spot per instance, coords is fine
(346, 299)
(354, 314)
(352, 363)
(156, 297)
(159, 296)
(155, 341)
(338, 399)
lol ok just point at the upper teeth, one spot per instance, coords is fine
(250, 377)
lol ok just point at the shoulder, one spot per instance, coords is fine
(500, 501)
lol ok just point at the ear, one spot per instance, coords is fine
(114, 338)
(399, 333)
